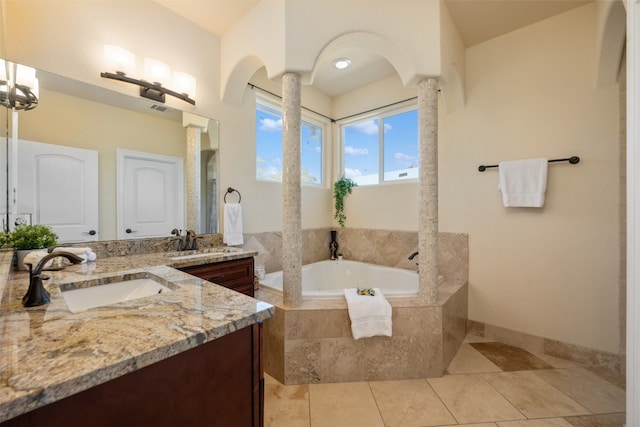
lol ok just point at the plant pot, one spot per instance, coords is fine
(21, 253)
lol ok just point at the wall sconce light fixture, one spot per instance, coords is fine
(123, 63)
(18, 86)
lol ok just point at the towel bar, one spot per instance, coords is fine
(573, 160)
(232, 190)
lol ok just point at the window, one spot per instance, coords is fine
(381, 148)
(269, 145)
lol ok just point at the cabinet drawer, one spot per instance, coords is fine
(235, 274)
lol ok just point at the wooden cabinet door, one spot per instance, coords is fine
(235, 274)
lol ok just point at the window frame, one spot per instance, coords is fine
(380, 115)
(273, 105)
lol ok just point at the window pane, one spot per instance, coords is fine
(268, 145)
(311, 153)
(361, 152)
(401, 146)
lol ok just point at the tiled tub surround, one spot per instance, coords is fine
(48, 353)
(390, 248)
(313, 343)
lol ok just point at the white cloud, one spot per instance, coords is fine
(270, 125)
(368, 128)
(355, 151)
(269, 173)
(352, 173)
(403, 157)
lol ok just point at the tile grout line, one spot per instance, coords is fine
(376, 402)
(561, 391)
(442, 401)
(481, 375)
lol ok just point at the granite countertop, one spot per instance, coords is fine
(48, 353)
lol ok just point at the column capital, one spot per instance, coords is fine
(192, 120)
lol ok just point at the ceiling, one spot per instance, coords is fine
(476, 20)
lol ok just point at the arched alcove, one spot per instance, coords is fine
(380, 45)
(236, 84)
(610, 40)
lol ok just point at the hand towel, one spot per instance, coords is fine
(86, 253)
(34, 258)
(370, 315)
(523, 182)
(232, 224)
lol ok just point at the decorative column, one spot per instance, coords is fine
(195, 126)
(291, 204)
(428, 199)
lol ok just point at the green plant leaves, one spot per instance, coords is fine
(341, 188)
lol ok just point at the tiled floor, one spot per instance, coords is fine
(487, 385)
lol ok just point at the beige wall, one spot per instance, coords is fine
(550, 272)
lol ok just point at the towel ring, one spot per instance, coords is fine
(232, 190)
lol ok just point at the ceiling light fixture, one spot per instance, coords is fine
(18, 86)
(342, 63)
(156, 75)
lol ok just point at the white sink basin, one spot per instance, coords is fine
(101, 295)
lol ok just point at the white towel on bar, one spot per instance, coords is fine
(232, 224)
(523, 183)
(370, 315)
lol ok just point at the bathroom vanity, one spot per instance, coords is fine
(188, 356)
(234, 274)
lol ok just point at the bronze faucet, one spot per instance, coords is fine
(37, 294)
(187, 242)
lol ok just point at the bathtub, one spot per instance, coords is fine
(328, 279)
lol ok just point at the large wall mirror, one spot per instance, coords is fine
(81, 116)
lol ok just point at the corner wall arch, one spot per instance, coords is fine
(611, 34)
(240, 75)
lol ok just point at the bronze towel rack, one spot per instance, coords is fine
(232, 190)
(573, 160)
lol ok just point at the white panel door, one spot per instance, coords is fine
(58, 185)
(150, 194)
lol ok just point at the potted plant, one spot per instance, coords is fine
(26, 238)
(341, 188)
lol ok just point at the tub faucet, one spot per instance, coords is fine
(37, 294)
(411, 257)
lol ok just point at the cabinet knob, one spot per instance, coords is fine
(90, 232)
(129, 231)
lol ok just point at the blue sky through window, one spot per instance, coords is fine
(269, 148)
(400, 148)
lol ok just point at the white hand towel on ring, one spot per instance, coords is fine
(232, 224)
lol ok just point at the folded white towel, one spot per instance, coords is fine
(523, 182)
(86, 254)
(232, 224)
(370, 315)
(34, 258)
